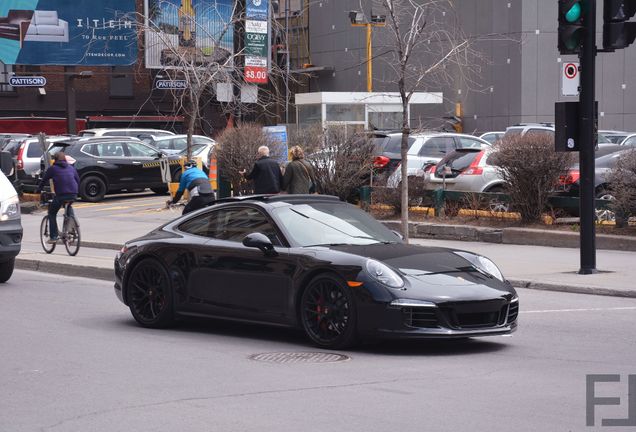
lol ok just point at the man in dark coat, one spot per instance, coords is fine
(66, 184)
(266, 173)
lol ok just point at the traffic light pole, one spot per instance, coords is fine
(588, 144)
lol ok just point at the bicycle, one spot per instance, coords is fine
(69, 234)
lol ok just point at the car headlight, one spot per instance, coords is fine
(10, 209)
(482, 264)
(384, 274)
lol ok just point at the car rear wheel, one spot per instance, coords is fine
(328, 313)
(149, 295)
(6, 270)
(92, 189)
(603, 214)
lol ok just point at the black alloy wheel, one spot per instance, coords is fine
(92, 189)
(328, 313)
(149, 295)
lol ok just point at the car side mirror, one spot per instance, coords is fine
(160, 155)
(6, 163)
(260, 241)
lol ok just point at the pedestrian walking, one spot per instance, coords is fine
(265, 173)
(299, 174)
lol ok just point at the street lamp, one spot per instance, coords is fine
(358, 19)
(69, 81)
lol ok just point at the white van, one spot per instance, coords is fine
(10, 224)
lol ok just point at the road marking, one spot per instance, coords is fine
(580, 310)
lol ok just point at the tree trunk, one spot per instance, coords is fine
(191, 123)
(404, 148)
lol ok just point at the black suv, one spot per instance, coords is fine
(113, 164)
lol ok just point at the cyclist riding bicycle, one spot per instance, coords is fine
(198, 185)
(66, 184)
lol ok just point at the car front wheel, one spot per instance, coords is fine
(149, 294)
(328, 313)
(6, 270)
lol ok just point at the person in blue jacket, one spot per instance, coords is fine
(198, 185)
(66, 184)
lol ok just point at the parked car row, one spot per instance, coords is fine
(464, 163)
(107, 160)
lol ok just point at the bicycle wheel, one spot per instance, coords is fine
(44, 236)
(71, 236)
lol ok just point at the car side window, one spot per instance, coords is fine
(235, 224)
(200, 140)
(111, 149)
(115, 133)
(231, 225)
(629, 141)
(466, 142)
(34, 150)
(437, 147)
(140, 150)
(91, 149)
(203, 225)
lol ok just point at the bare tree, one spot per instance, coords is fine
(531, 169)
(622, 190)
(236, 150)
(426, 50)
(343, 161)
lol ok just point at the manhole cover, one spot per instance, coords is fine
(299, 357)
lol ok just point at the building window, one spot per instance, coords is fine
(308, 114)
(345, 113)
(5, 74)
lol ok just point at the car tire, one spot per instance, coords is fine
(92, 189)
(329, 322)
(6, 270)
(149, 294)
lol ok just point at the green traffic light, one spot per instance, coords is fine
(574, 14)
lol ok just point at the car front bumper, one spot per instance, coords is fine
(10, 239)
(417, 319)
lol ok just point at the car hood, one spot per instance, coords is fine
(435, 274)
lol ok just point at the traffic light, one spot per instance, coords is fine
(570, 26)
(617, 32)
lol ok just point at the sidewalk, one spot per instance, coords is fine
(526, 266)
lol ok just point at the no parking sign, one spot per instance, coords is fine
(570, 79)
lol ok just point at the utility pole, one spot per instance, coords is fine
(287, 62)
(587, 126)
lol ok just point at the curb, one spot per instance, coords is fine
(66, 269)
(512, 235)
(573, 289)
(109, 275)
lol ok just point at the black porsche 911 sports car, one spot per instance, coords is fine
(315, 263)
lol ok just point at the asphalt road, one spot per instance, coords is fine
(72, 359)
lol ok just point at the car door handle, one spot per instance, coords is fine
(101, 162)
(136, 163)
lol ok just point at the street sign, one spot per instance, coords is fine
(27, 81)
(171, 84)
(570, 79)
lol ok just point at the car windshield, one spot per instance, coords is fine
(332, 223)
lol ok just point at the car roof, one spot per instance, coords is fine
(96, 140)
(285, 198)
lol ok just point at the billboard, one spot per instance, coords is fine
(63, 32)
(199, 31)
(256, 41)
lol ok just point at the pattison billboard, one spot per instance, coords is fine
(64, 32)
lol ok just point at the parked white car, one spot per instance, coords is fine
(429, 148)
(123, 132)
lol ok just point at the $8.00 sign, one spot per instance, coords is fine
(256, 74)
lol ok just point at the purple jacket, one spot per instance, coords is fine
(65, 178)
